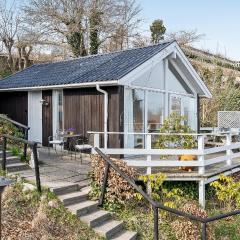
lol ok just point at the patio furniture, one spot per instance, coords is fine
(57, 140)
(82, 144)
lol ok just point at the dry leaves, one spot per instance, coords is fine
(189, 230)
(118, 189)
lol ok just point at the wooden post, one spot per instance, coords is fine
(201, 170)
(149, 159)
(96, 142)
(25, 144)
(229, 152)
(201, 193)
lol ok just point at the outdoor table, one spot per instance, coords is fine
(70, 139)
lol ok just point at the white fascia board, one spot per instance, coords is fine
(150, 63)
(63, 86)
(193, 72)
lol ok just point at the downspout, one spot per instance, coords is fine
(105, 115)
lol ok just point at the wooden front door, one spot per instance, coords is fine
(46, 116)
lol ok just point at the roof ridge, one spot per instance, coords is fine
(169, 43)
(120, 52)
(106, 53)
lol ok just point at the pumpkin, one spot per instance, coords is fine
(187, 158)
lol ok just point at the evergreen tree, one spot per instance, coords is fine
(76, 41)
(157, 31)
(94, 22)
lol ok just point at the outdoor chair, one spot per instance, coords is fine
(55, 141)
(82, 144)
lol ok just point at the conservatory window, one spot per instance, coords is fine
(155, 110)
(134, 105)
(176, 105)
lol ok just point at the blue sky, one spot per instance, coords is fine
(219, 20)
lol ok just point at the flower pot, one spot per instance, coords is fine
(187, 157)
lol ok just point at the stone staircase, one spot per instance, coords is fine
(13, 164)
(75, 199)
(77, 202)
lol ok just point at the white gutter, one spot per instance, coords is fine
(105, 115)
(73, 85)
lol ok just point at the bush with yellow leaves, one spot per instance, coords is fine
(118, 190)
(190, 230)
(227, 191)
(169, 198)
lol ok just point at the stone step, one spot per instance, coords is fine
(84, 183)
(11, 159)
(65, 189)
(17, 167)
(109, 228)
(72, 198)
(7, 152)
(86, 189)
(83, 208)
(95, 218)
(125, 235)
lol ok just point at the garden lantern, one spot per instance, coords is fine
(3, 183)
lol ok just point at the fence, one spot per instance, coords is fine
(155, 205)
(206, 157)
(33, 146)
(201, 151)
(24, 128)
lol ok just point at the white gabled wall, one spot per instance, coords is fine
(152, 77)
(157, 77)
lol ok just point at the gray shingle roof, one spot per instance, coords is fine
(96, 68)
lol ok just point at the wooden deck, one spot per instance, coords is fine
(211, 172)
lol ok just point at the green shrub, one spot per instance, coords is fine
(7, 127)
(175, 124)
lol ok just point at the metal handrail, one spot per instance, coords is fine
(33, 146)
(14, 122)
(20, 125)
(155, 205)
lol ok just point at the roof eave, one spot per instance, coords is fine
(63, 86)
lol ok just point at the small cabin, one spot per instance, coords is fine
(127, 91)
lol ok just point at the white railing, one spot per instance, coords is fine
(205, 156)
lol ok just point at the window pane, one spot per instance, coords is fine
(190, 113)
(134, 117)
(138, 110)
(155, 110)
(176, 105)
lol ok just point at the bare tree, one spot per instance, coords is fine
(184, 37)
(9, 24)
(122, 27)
(62, 17)
(87, 24)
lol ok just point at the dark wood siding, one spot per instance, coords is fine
(84, 111)
(47, 117)
(15, 105)
(115, 115)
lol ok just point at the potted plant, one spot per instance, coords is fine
(71, 131)
(175, 125)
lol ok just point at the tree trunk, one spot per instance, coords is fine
(19, 58)
(26, 55)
